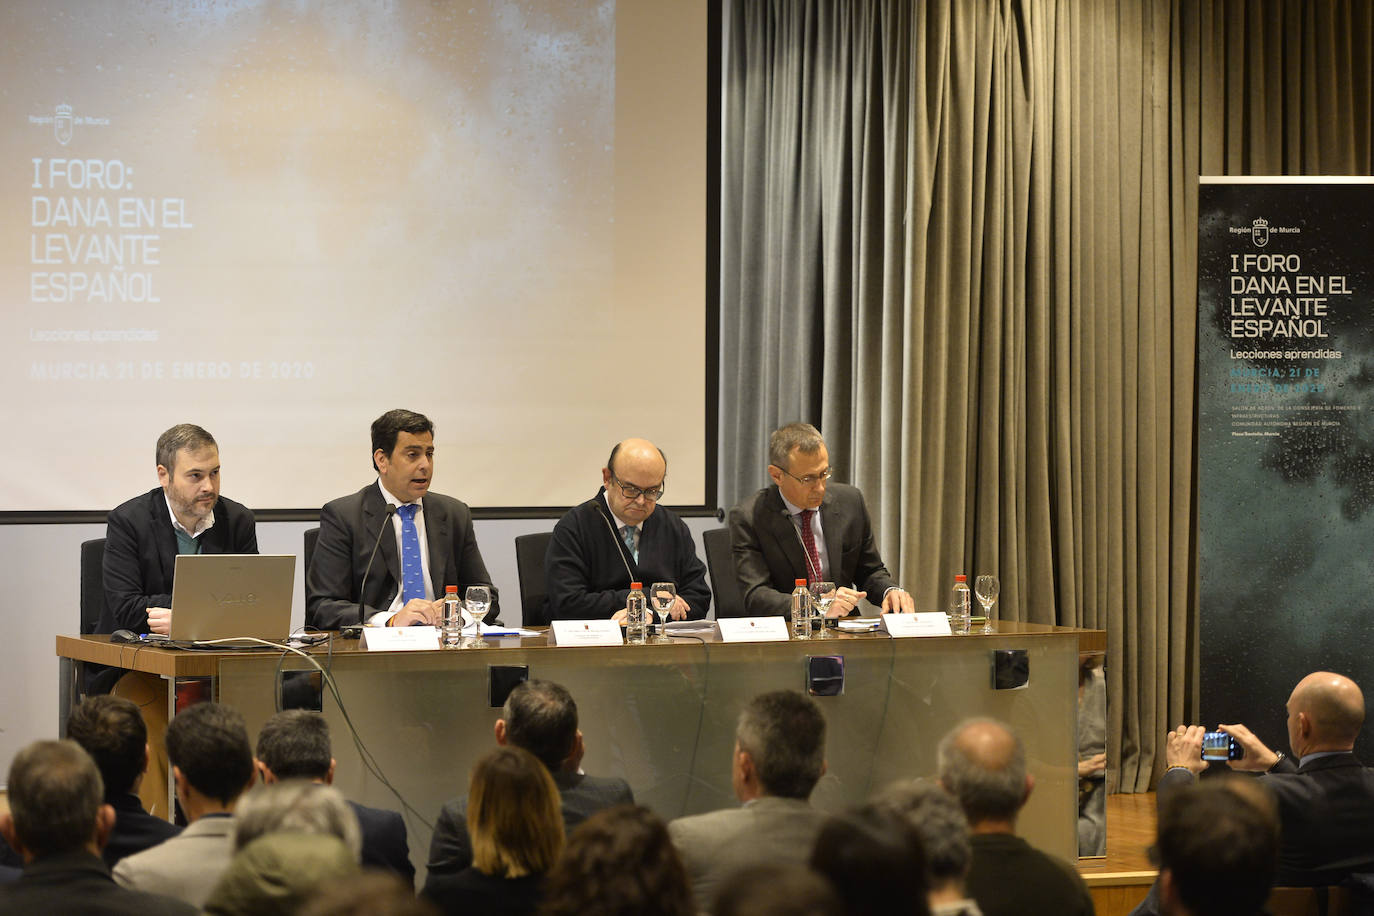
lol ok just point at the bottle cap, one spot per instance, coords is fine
(636, 585)
(961, 578)
(800, 582)
(450, 589)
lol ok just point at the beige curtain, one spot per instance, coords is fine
(959, 235)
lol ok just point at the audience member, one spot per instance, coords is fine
(212, 765)
(1325, 798)
(540, 717)
(1218, 847)
(57, 822)
(983, 764)
(517, 836)
(778, 758)
(774, 889)
(295, 745)
(873, 858)
(943, 829)
(370, 893)
(620, 862)
(622, 535)
(290, 838)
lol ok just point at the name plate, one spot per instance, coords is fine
(400, 639)
(925, 623)
(753, 629)
(587, 633)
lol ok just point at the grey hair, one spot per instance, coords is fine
(784, 734)
(802, 436)
(183, 435)
(939, 820)
(296, 806)
(985, 792)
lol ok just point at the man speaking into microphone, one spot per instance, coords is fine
(386, 553)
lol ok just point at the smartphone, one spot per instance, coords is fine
(1221, 746)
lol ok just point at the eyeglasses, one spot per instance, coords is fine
(810, 480)
(632, 492)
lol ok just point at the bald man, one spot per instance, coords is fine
(1325, 795)
(982, 763)
(623, 535)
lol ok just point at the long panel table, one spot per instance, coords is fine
(663, 717)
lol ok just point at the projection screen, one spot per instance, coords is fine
(279, 220)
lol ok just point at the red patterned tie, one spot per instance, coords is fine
(813, 568)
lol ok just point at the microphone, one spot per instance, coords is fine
(386, 523)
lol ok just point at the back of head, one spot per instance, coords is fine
(1219, 841)
(873, 858)
(54, 794)
(784, 734)
(801, 436)
(275, 874)
(112, 731)
(209, 744)
(294, 744)
(982, 762)
(941, 824)
(1335, 705)
(296, 806)
(619, 862)
(541, 717)
(775, 889)
(513, 813)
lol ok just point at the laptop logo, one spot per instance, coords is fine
(230, 599)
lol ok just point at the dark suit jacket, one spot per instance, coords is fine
(78, 882)
(141, 549)
(580, 796)
(348, 529)
(1009, 877)
(588, 569)
(384, 840)
(134, 830)
(1326, 816)
(769, 556)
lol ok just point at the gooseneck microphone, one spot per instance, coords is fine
(386, 523)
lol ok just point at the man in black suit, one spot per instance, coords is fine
(432, 544)
(539, 717)
(1326, 797)
(294, 744)
(58, 823)
(803, 528)
(185, 514)
(622, 535)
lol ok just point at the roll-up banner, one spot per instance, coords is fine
(1285, 442)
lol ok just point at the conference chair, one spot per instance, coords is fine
(720, 560)
(97, 678)
(92, 584)
(311, 536)
(529, 564)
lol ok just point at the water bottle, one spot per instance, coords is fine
(453, 618)
(960, 606)
(801, 610)
(635, 624)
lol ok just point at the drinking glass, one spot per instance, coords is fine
(822, 596)
(986, 588)
(662, 597)
(476, 602)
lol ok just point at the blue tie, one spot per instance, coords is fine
(412, 570)
(631, 535)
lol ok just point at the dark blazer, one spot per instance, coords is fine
(384, 840)
(588, 568)
(134, 830)
(1009, 877)
(580, 796)
(769, 556)
(141, 549)
(78, 882)
(474, 893)
(348, 529)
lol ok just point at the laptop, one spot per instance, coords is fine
(232, 595)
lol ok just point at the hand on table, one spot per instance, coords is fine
(418, 612)
(846, 600)
(897, 601)
(160, 620)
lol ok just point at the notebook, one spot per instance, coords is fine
(230, 595)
